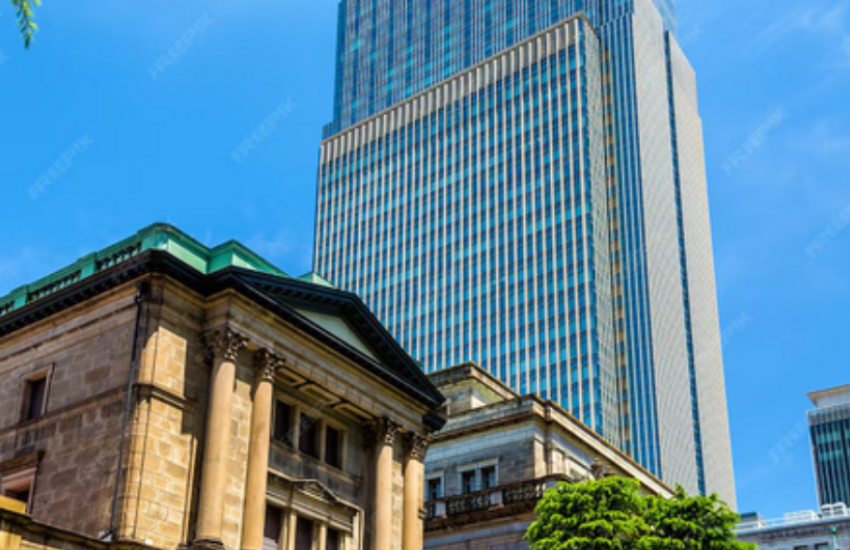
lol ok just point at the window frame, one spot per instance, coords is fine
(297, 409)
(290, 431)
(431, 476)
(20, 481)
(477, 468)
(42, 373)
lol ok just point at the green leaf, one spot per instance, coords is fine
(25, 14)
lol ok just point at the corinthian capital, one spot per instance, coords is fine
(226, 343)
(382, 431)
(266, 365)
(417, 447)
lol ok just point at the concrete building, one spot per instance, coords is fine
(829, 425)
(808, 530)
(497, 454)
(521, 183)
(162, 394)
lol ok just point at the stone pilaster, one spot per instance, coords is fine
(224, 347)
(266, 365)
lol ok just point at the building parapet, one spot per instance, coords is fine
(830, 513)
(505, 498)
(154, 237)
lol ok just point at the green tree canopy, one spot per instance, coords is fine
(691, 523)
(611, 514)
(26, 16)
(591, 515)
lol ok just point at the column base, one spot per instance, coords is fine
(207, 544)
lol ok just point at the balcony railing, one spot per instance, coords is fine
(528, 492)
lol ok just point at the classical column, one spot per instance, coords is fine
(225, 346)
(322, 538)
(383, 433)
(266, 365)
(414, 479)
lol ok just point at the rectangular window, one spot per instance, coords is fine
(488, 477)
(309, 436)
(467, 481)
(333, 447)
(334, 541)
(19, 486)
(435, 489)
(304, 535)
(283, 423)
(822, 546)
(36, 392)
(274, 525)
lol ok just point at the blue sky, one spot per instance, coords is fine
(152, 136)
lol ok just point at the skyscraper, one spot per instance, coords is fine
(521, 183)
(829, 424)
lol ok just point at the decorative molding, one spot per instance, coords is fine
(226, 343)
(153, 391)
(267, 364)
(20, 463)
(381, 431)
(417, 447)
(600, 470)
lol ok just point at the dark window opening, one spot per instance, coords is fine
(309, 436)
(36, 390)
(334, 541)
(435, 489)
(467, 481)
(283, 423)
(22, 495)
(304, 534)
(333, 447)
(272, 530)
(488, 477)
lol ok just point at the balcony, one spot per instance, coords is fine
(495, 502)
(295, 465)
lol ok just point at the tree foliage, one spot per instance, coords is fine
(26, 16)
(691, 523)
(592, 515)
(611, 514)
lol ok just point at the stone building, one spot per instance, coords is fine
(264, 411)
(498, 453)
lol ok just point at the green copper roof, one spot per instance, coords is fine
(316, 279)
(159, 236)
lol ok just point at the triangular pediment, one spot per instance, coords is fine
(343, 321)
(340, 328)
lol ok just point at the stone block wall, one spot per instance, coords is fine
(513, 446)
(86, 352)
(167, 425)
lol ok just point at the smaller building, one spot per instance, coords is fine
(829, 424)
(498, 453)
(807, 530)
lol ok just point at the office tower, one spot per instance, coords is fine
(521, 184)
(829, 425)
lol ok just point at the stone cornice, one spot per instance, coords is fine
(272, 293)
